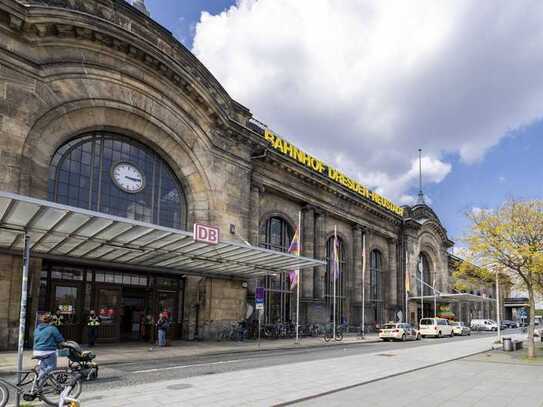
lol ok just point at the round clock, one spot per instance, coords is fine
(127, 177)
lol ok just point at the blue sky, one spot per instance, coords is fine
(479, 127)
(180, 16)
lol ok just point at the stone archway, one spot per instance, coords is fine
(74, 119)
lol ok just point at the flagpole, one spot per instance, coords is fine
(421, 268)
(363, 327)
(334, 277)
(435, 297)
(406, 283)
(298, 277)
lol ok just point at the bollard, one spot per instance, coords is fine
(507, 344)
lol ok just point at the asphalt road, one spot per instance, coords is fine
(130, 374)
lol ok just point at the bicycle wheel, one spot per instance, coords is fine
(53, 385)
(339, 336)
(4, 395)
(327, 337)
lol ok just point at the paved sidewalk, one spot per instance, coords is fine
(134, 352)
(497, 379)
(268, 386)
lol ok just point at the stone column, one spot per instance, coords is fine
(308, 250)
(356, 280)
(320, 237)
(254, 214)
(393, 273)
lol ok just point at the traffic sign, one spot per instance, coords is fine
(259, 298)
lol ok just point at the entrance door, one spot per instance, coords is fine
(108, 301)
(67, 300)
(132, 316)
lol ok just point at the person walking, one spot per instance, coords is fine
(162, 325)
(93, 323)
(47, 337)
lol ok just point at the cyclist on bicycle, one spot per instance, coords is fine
(46, 340)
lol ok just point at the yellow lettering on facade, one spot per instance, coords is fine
(269, 136)
(317, 165)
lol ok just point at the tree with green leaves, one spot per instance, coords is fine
(507, 241)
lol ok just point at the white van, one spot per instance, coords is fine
(437, 327)
(483, 325)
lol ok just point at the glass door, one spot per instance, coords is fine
(108, 302)
(67, 305)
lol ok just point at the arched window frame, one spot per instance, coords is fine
(340, 282)
(278, 234)
(426, 275)
(376, 275)
(89, 187)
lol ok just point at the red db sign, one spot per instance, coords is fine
(207, 234)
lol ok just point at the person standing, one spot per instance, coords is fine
(162, 325)
(92, 327)
(46, 340)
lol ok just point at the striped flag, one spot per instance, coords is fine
(294, 249)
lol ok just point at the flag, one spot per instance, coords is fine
(294, 249)
(335, 265)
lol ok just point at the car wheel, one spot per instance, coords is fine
(403, 338)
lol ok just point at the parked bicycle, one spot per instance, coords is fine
(329, 334)
(237, 331)
(47, 389)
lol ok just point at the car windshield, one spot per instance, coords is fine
(427, 322)
(455, 324)
(389, 326)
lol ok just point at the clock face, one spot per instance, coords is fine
(128, 178)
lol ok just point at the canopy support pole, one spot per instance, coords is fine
(22, 315)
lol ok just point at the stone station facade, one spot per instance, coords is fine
(102, 70)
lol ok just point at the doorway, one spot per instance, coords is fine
(132, 316)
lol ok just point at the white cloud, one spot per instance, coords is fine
(364, 83)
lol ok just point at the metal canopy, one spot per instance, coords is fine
(60, 231)
(454, 297)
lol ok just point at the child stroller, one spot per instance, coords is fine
(80, 361)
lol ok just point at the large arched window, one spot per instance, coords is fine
(331, 261)
(278, 234)
(116, 175)
(376, 287)
(376, 266)
(424, 278)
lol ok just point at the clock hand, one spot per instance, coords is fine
(133, 179)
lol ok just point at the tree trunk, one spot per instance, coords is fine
(531, 342)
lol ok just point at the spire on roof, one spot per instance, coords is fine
(420, 199)
(140, 5)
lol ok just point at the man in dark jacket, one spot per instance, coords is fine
(46, 340)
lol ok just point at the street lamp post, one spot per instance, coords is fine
(498, 305)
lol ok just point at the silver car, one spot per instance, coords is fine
(460, 329)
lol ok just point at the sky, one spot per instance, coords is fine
(363, 84)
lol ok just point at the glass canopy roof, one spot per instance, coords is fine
(60, 231)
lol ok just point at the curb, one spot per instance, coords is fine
(230, 352)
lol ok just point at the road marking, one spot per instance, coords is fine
(161, 369)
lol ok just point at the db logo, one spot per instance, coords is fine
(207, 234)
